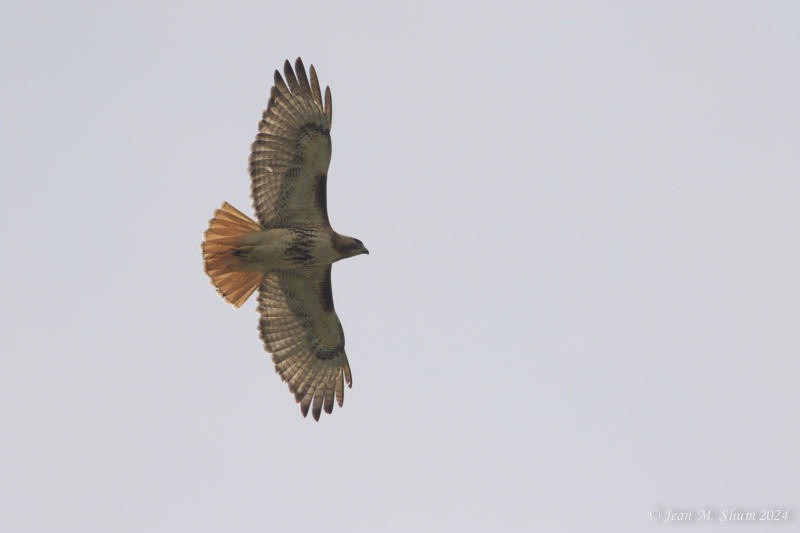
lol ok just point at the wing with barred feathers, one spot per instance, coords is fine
(290, 156)
(300, 328)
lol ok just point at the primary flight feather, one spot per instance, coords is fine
(287, 255)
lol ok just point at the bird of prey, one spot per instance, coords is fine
(287, 255)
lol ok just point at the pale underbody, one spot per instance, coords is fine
(287, 248)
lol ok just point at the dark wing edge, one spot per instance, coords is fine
(299, 327)
(290, 156)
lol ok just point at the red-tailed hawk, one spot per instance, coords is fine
(287, 255)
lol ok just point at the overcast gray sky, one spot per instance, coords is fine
(581, 303)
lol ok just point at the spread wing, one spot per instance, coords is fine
(300, 328)
(289, 158)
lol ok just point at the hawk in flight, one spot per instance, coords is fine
(287, 255)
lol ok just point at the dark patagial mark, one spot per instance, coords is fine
(325, 292)
(321, 194)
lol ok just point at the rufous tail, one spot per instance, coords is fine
(224, 232)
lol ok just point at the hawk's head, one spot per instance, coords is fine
(356, 247)
(349, 246)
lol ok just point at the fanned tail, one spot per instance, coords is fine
(224, 232)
